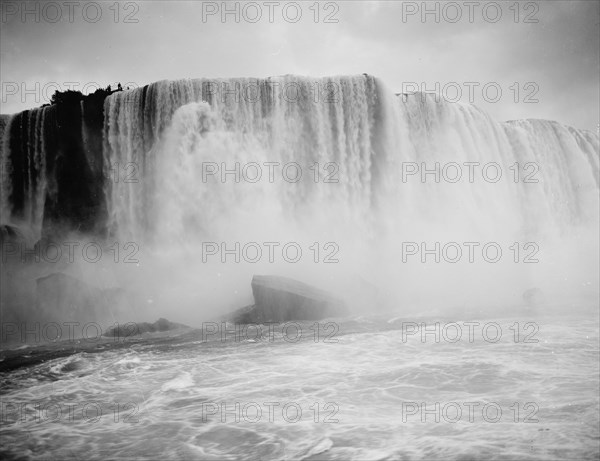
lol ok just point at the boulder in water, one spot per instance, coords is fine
(134, 328)
(281, 299)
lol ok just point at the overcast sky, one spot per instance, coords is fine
(554, 60)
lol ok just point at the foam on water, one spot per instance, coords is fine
(368, 375)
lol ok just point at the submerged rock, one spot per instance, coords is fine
(281, 299)
(533, 297)
(68, 298)
(134, 328)
(60, 297)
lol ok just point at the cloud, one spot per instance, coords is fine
(559, 53)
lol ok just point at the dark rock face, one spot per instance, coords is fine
(56, 151)
(280, 299)
(133, 329)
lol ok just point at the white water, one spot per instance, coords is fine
(367, 130)
(356, 392)
(35, 185)
(171, 130)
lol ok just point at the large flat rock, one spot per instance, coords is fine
(281, 299)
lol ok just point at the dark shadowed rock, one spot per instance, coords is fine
(280, 299)
(138, 328)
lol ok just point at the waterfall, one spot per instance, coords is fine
(178, 126)
(23, 164)
(168, 132)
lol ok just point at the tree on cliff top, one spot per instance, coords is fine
(75, 97)
(66, 97)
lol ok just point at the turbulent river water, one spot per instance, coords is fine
(376, 388)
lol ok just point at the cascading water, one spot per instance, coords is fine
(363, 129)
(166, 127)
(525, 181)
(24, 177)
